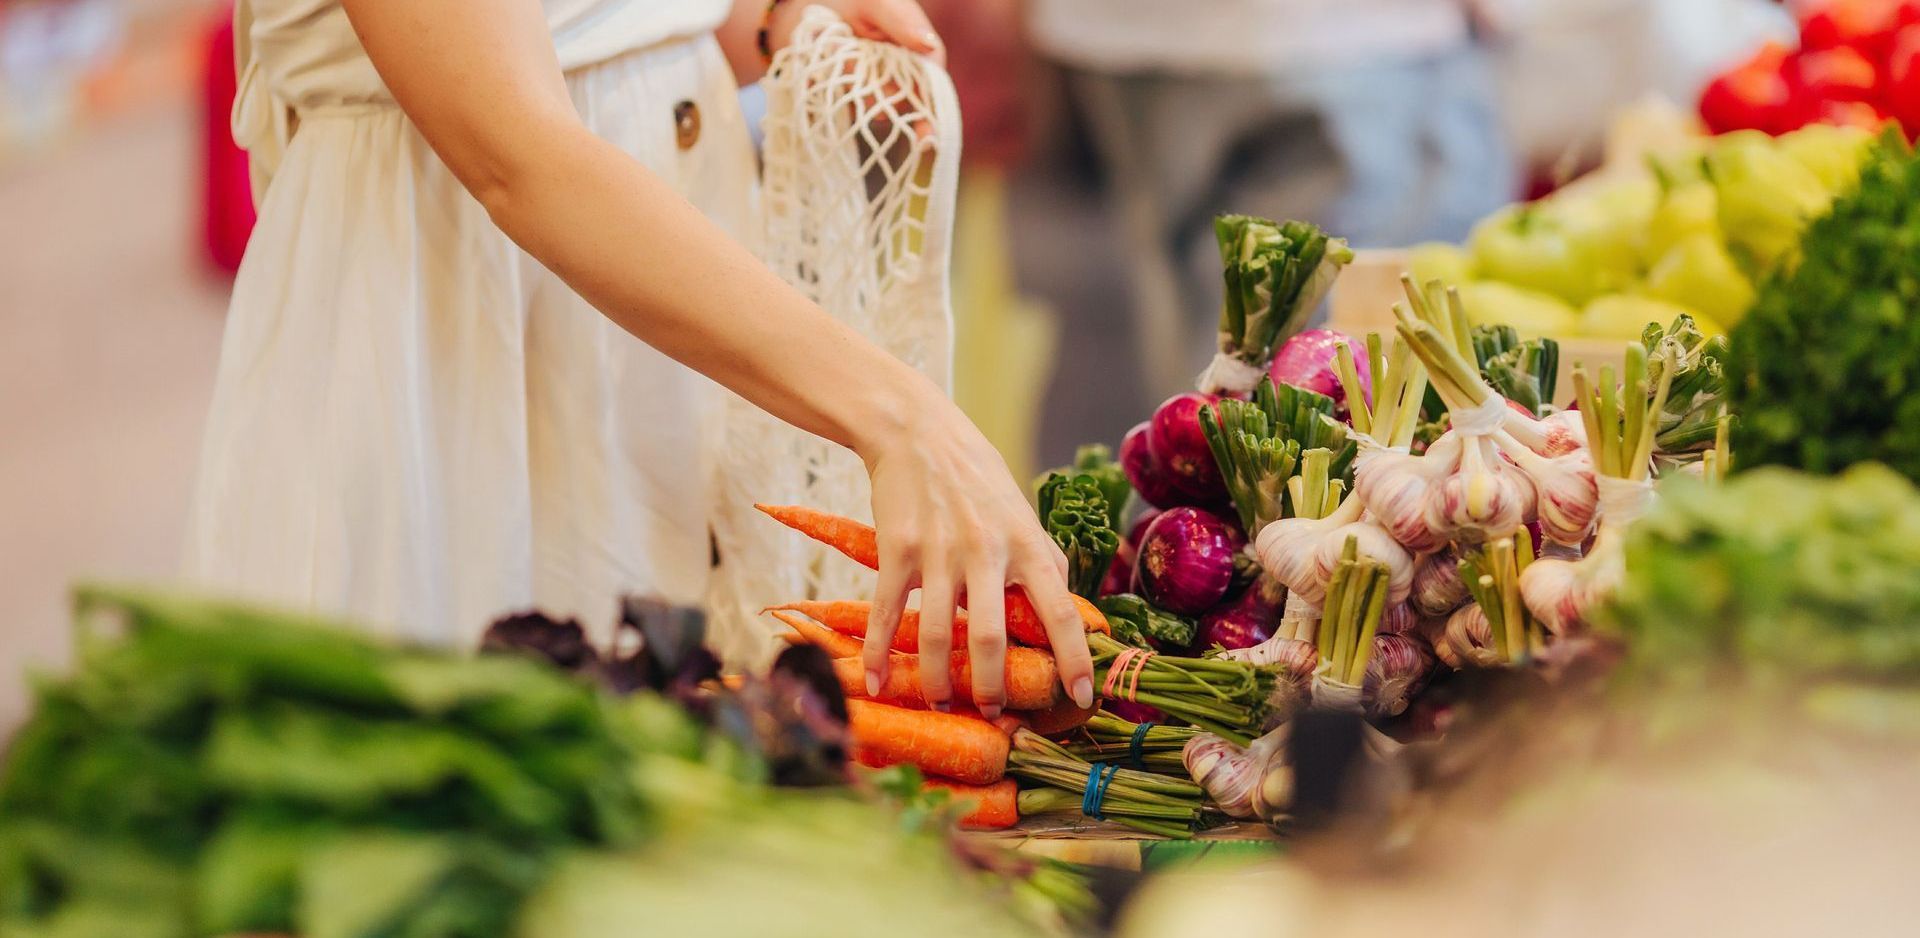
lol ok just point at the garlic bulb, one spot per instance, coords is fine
(1400, 667)
(1397, 619)
(1566, 497)
(1251, 784)
(1286, 549)
(1553, 435)
(1468, 640)
(1375, 544)
(1437, 588)
(1485, 497)
(1395, 487)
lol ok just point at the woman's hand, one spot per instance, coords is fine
(900, 22)
(952, 522)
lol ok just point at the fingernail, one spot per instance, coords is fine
(873, 683)
(990, 711)
(942, 706)
(1083, 692)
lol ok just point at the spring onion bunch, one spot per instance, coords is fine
(1276, 273)
(1144, 801)
(1225, 697)
(1257, 445)
(1109, 738)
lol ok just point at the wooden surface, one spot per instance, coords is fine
(1096, 843)
(1362, 302)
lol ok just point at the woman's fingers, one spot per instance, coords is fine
(883, 619)
(902, 23)
(936, 637)
(1047, 590)
(987, 635)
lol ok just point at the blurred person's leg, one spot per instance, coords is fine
(1474, 169)
(1162, 140)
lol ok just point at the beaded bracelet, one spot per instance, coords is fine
(763, 39)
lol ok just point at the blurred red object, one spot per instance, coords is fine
(1903, 79)
(1862, 114)
(1752, 96)
(1838, 74)
(991, 65)
(228, 189)
(1864, 25)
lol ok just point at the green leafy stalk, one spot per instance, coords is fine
(1108, 738)
(1075, 513)
(1356, 597)
(1698, 396)
(1226, 698)
(1146, 801)
(1143, 625)
(1492, 576)
(1275, 274)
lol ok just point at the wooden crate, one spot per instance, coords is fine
(1362, 302)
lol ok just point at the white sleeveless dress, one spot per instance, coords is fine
(415, 425)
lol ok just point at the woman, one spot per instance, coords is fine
(427, 412)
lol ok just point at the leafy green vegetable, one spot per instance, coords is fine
(1075, 512)
(1526, 373)
(1143, 625)
(217, 769)
(1257, 445)
(1276, 274)
(1698, 395)
(1096, 461)
(1778, 573)
(1825, 371)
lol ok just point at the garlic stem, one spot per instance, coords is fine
(1633, 385)
(1512, 613)
(1369, 626)
(1358, 410)
(1610, 443)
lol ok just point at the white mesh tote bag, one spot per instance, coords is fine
(861, 163)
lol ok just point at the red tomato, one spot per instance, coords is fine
(1752, 96)
(1862, 114)
(1902, 91)
(1866, 25)
(1838, 74)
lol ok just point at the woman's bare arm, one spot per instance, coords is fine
(481, 81)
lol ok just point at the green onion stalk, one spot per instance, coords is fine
(1689, 422)
(1141, 624)
(1109, 738)
(1526, 373)
(1144, 801)
(1075, 513)
(1492, 574)
(1257, 445)
(1622, 418)
(1356, 598)
(1226, 698)
(1276, 274)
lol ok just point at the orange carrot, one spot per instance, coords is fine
(1059, 718)
(813, 633)
(845, 535)
(859, 542)
(945, 744)
(1032, 681)
(849, 617)
(989, 807)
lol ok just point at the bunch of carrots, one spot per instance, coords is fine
(971, 756)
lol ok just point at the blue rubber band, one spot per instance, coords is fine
(1134, 755)
(1099, 775)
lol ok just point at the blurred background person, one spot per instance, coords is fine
(1376, 119)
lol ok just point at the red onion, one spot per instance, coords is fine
(1180, 449)
(1185, 564)
(1242, 623)
(1144, 472)
(1307, 361)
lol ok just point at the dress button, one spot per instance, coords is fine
(686, 124)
